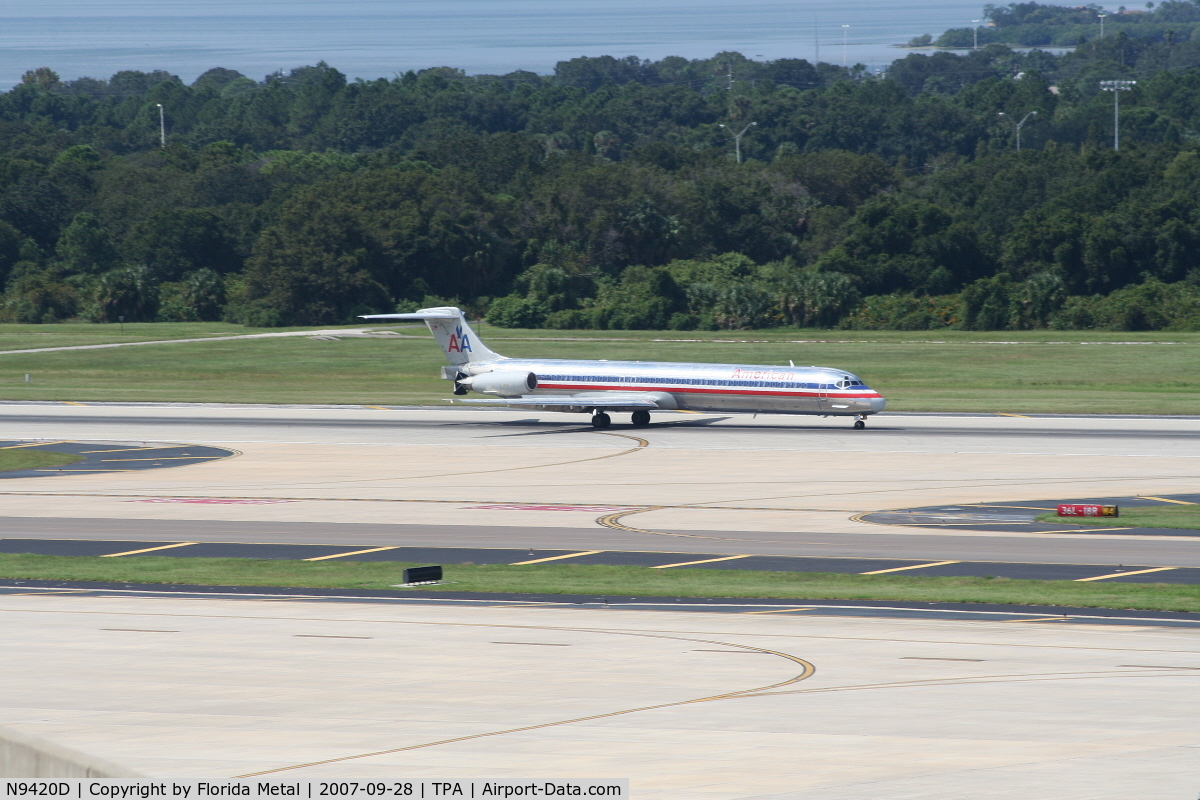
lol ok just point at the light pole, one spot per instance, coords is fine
(1102, 16)
(737, 138)
(845, 31)
(1019, 125)
(1116, 87)
(162, 126)
(975, 31)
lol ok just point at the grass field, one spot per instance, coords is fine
(70, 334)
(29, 459)
(1139, 517)
(1013, 372)
(604, 581)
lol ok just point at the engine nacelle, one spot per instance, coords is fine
(502, 384)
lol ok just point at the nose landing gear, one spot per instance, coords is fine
(859, 422)
(600, 420)
(641, 419)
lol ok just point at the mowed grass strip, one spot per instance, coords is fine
(28, 458)
(1014, 372)
(72, 334)
(1137, 517)
(603, 581)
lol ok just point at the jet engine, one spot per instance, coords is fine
(501, 384)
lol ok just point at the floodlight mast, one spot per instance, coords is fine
(1116, 87)
(737, 138)
(975, 31)
(1019, 125)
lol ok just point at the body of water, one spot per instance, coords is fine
(380, 38)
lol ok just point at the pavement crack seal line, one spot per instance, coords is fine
(1009, 483)
(807, 671)
(984, 679)
(641, 445)
(614, 521)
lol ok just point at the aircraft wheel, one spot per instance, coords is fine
(859, 424)
(641, 418)
(601, 421)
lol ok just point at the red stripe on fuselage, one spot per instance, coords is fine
(701, 390)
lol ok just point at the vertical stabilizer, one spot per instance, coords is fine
(449, 327)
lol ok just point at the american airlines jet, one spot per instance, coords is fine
(639, 387)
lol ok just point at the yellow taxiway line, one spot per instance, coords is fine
(34, 444)
(161, 458)
(148, 549)
(1123, 574)
(352, 553)
(914, 566)
(702, 561)
(1165, 500)
(555, 558)
(780, 610)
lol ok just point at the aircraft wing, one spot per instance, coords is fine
(607, 400)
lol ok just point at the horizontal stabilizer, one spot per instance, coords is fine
(417, 316)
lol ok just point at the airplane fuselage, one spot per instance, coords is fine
(754, 388)
(638, 387)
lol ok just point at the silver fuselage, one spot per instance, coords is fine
(754, 388)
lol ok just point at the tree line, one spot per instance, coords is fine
(607, 195)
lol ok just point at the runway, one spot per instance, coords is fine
(689, 483)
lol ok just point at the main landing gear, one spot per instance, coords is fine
(641, 419)
(600, 420)
(859, 422)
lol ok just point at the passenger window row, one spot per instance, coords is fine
(699, 382)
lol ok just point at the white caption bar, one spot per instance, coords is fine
(96, 789)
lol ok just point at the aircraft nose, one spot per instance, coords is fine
(877, 404)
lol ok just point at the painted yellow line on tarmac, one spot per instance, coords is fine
(352, 553)
(781, 610)
(702, 561)
(34, 444)
(914, 566)
(1002, 414)
(161, 458)
(379, 408)
(555, 558)
(69, 403)
(1123, 574)
(1088, 530)
(132, 449)
(1040, 619)
(148, 549)
(1167, 500)
(993, 505)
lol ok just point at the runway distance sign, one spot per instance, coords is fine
(1088, 511)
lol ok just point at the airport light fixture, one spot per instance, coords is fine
(1116, 87)
(845, 61)
(162, 126)
(1018, 125)
(975, 31)
(737, 138)
(1102, 16)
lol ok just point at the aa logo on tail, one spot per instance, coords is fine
(459, 342)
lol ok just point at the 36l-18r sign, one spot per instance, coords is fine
(1087, 511)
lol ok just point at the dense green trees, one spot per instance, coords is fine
(607, 195)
